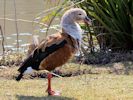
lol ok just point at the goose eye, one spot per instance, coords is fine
(80, 14)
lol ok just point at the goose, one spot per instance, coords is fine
(56, 49)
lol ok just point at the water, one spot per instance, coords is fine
(26, 10)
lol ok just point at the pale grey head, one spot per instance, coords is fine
(70, 19)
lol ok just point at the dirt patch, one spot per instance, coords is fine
(64, 71)
(72, 69)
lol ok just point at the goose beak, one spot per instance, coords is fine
(88, 21)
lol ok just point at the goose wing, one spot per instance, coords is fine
(46, 47)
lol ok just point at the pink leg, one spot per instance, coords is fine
(49, 90)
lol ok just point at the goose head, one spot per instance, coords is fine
(70, 20)
(75, 15)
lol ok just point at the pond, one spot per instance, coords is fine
(26, 10)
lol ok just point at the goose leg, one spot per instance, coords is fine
(49, 90)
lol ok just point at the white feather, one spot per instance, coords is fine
(73, 30)
(29, 70)
(35, 40)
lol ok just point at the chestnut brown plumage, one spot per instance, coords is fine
(58, 48)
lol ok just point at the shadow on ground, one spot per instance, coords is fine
(21, 97)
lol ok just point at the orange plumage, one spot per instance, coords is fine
(60, 56)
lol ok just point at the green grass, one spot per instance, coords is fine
(105, 82)
(85, 87)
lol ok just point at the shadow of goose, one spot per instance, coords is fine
(21, 97)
